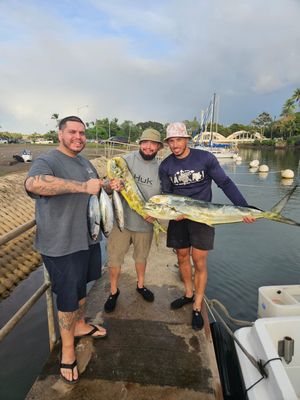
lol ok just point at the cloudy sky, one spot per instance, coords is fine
(145, 60)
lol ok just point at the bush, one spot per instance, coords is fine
(268, 142)
(294, 140)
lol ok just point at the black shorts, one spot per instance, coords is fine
(70, 274)
(186, 233)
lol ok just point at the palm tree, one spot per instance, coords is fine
(55, 117)
(288, 108)
(296, 96)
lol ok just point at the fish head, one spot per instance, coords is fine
(113, 169)
(161, 211)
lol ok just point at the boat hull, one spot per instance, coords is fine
(276, 301)
(218, 152)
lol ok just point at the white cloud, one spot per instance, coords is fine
(132, 60)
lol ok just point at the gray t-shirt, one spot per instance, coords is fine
(61, 220)
(145, 174)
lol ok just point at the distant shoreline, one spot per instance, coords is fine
(8, 165)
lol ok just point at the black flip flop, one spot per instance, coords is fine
(68, 366)
(91, 332)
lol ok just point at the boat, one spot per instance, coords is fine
(220, 150)
(24, 156)
(266, 354)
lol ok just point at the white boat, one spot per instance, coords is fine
(220, 150)
(274, 341)
(24, 156)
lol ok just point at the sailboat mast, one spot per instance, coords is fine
(212, 119)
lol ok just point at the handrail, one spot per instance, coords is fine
(46, 287)
(22, 311)
(16, 232)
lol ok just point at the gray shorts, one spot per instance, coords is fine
(119, 243)
(186, 233)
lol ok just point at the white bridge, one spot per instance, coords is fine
(236, 137)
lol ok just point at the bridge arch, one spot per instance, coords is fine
(246, 135)
(205, 137)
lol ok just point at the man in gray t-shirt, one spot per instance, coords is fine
(138, 231)
(61, 181)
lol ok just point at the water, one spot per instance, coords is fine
(25, 350)
(245, 257)
(264, 253)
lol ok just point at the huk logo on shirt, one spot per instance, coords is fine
(144, 181)
(185, 177)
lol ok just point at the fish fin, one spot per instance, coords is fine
(278, 207)
(158, 227)
(191, 218)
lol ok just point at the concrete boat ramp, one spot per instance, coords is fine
(151, 352)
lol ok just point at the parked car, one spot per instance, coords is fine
(118, 139)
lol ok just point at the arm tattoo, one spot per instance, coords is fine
(66, 320)
(48, 185)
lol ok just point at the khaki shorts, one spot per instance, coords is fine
(119, 243)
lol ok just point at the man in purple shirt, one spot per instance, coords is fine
(190, 172)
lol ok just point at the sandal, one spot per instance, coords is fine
(91, 333)
(68, 366)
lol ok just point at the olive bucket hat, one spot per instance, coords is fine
(151, 134)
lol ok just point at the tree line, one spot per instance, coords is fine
(286, 126)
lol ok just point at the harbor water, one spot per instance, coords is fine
(245, 257)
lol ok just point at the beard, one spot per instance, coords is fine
(147, 157)
(67, 145)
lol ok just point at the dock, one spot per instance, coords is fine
(151, 351)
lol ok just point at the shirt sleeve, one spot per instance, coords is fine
(223, 181)
(40, 167)
(166, 184)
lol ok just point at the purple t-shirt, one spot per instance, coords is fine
(192, 176)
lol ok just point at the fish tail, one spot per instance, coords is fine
(284, 220)
(278, 207)
(274, 213)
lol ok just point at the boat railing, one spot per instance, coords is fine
(44, 288)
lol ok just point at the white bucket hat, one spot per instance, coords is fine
(177, 129)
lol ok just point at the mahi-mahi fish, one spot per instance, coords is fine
(118, 168)
(107, 214)
(94, 217)
(170, 206)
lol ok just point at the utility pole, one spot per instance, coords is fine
(96, 138)
(129, 134)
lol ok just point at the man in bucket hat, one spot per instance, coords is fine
(138, 231)
(190, 172)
